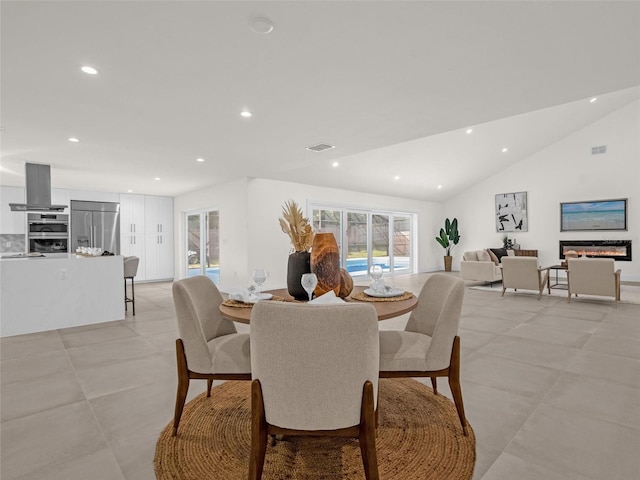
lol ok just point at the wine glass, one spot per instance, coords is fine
(376, 274)
(260, 276)
(309, 282)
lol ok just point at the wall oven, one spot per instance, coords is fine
(48, 232)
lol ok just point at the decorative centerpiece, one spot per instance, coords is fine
(346, 283)
(294, 224)
(325, 263)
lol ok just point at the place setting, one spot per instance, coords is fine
(246, 298)
(379, 290)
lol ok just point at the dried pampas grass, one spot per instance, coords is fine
(296, 226)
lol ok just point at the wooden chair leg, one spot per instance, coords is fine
(454, 383)
(434, 384)
(209, 385)
(367, 434)
(183, 385)
(258, 433)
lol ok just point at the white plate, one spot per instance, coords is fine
(394, 292)
(260, 296)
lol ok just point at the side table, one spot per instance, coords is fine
(557, 283)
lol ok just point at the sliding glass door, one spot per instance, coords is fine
(367, 237)
(203, 244)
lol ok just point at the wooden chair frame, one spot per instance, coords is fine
(185, 375)
(365, 431)
(453, 374)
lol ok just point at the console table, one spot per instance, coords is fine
(525, 253)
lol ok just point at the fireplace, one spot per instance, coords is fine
(619, 250)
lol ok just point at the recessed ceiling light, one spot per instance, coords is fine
(157, 178)
(469, 130)
(261, 25)
(593, 99)
(73, 139)
(335, 164)
(397, 177)
(245, 114)
(439, 187)
(129, 191)
(89, 70)
(200, 160)
(505, 149)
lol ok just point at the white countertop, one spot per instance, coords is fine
(22, 256)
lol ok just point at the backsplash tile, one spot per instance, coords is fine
(12, 243)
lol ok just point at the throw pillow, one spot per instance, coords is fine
(499, 252)
(493, 257)
(484, 256)
(469, 256)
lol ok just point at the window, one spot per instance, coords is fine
(367, 237)
(203, 244)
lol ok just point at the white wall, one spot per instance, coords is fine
(251, 235)
(565, 171)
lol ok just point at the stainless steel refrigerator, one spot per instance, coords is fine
(95, 224)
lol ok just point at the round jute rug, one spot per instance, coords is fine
(419, 437)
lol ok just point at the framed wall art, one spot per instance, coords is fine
(593, 215)
(511, 212)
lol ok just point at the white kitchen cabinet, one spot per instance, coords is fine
(14, 223)
(132, 230)
(132, 214)
(159, 256)
(158, 217)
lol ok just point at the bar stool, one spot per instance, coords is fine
(130, 270)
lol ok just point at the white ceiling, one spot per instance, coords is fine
(393, 85)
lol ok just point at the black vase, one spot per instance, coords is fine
(299, 263)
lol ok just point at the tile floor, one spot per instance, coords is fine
(551, 390)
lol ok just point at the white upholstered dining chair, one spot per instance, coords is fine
(524, 273)
(593, 276)
(315, 372)
(429, 346)
(209, 347)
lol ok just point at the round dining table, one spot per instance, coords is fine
(384, 309)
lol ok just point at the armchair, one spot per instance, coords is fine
(593, 276)
(524, 273)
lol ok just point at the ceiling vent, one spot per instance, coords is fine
(598, 150)
(320, 147)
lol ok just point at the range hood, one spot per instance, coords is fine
(38, 186)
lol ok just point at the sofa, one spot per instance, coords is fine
(480, 266)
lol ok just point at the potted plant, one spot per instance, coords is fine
(297, 227)
(448, 238)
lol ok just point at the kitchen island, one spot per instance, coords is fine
(59, 290)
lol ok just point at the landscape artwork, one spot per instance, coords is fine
(594, 215)
(511, 212)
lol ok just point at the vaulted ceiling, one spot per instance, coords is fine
(393, 85)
